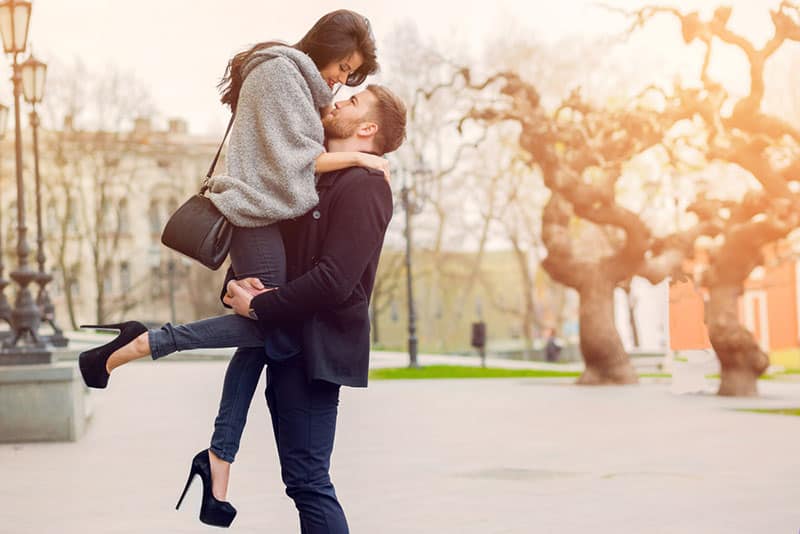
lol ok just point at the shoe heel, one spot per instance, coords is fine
(212, 511)
(93, 362)
(192, 473)
(115, 326)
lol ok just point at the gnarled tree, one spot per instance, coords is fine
(765, 146)
(581, 151)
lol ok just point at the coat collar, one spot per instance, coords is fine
(328, 179)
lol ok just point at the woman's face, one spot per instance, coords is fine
(338, 71)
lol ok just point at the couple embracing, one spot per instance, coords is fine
(307, 191)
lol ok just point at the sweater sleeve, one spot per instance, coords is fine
(274, 148)
(357, 227)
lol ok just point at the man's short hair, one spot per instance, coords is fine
(389, 112)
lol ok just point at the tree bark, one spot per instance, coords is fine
(605, 357)
(742, 360)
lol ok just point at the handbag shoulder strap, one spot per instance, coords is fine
(204, 187)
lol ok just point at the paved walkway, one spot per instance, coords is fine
(456, 456)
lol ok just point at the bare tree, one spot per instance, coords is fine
(764, 145)
(580, 151)
(96, 161)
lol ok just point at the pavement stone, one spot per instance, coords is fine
(427, 456)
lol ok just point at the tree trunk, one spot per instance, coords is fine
(632, 317)
(603, 353)
(742, 360)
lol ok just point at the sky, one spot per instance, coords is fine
(179, 48)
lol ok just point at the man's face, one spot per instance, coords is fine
(347, 116)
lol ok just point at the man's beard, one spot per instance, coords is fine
(339, 129)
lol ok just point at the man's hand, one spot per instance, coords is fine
(240, 294)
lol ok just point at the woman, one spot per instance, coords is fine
(277, 94)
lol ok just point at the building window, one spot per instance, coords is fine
(125, 276)
(108, 285)
(52, 216)
(393, 311)
(75, 287)
(124, 223)
(72, 214)
(155, 282)
(106, 224)
(155, 218)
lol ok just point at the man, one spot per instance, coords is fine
(552, 349)
(332, 254)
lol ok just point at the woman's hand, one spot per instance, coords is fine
(252, 285)
(376, 162)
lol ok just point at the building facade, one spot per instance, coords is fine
(769, 307)
(105, 199)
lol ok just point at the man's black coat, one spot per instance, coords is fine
(331, 257)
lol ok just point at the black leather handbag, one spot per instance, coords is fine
(197, 228)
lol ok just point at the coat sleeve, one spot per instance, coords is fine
(358, 221)
(279, 117)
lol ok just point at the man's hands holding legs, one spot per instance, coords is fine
(240, 294)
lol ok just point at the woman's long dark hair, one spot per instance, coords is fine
(334, 37)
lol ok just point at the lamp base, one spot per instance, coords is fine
(25, 356)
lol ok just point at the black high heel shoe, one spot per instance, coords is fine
(93, 362)
(212, 511)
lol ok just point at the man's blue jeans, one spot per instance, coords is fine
(304, 423)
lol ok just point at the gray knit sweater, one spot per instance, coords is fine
(275, 140)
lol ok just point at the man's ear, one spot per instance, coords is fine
(367, 129)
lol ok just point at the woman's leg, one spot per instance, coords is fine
(258, 253)
(241, 379)
(255, 252)
(224, 331)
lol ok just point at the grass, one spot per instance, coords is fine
(779, 411)
(458, 371)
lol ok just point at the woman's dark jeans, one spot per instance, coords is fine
(258, 253)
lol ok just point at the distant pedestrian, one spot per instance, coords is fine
(552, 349)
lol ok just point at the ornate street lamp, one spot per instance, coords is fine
(34, 73)
(15, 17)
(25, 318)
(421, 173)
(5, 307)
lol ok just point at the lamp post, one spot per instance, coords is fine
(5, 307)
(25, 318)
(411, 205)
(412, 316)
(34, 73)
